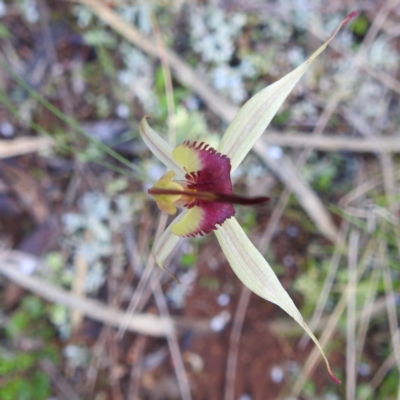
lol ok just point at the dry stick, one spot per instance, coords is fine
(330, 326)
(387, 365)
(78, 287)
(24, 145)
(351, 374)
(335, 143)
(183, 381)
(66, 390)
(94, 365)
(112, 355)
(141, 323)
(234, 339)
(216, 103)
(391, 307)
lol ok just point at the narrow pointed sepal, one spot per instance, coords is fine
(166, 243)
(158, 146)
(256, 114)
(255, 273)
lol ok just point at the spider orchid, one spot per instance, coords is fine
(199, 182)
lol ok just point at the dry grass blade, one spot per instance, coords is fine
(140, 323)
(387, 365)
(391, 307)
(62, 385)
(351, 373)
(24, 145)
(173, 345)
(367, 311)
(234, 339)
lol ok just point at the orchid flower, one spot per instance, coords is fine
(199, 181)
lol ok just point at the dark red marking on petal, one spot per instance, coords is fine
(215, 174)
(215, 214)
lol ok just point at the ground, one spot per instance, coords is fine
(77, 228)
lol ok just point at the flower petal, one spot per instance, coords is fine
(190, 224)
(255, 273)
(166, 243)
(254, 117)
(202, 219)
(158, 146)
(166, 202)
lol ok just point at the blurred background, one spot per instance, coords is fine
(85, 314)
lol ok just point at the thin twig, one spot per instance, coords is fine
(181, 375)
(334, 143)
(66, 390)
(24, 145)
(351, 374)
(78, 287)
(234, 339)
(387, 365)
(367, 312)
